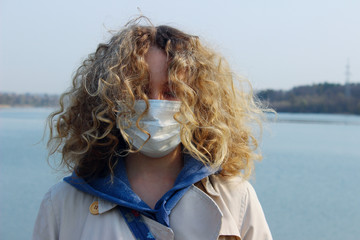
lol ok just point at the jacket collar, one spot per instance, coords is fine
(208, 215)
(118, 189)
(105, 205)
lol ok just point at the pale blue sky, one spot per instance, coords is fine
(276, 44)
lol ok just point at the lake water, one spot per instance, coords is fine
(308, 182)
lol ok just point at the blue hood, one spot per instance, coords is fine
(120, 192)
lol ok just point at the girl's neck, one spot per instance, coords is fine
(151, 178)
(140, 164)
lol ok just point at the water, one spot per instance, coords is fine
(24, 173)
(308, 182)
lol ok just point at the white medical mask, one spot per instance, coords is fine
(159, 122)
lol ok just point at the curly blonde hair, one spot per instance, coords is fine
(216, 116)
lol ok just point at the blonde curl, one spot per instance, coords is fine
(217, 114)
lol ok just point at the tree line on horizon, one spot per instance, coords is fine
(28, 100)
(316, 98)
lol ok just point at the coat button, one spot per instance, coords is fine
(94, 208)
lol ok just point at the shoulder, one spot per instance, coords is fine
(238, 201)
(63, 200)
(230, 187)
(238, 195)
(61, 190)
(63, 193)
(63, 207)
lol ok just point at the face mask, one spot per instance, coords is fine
(159, 122)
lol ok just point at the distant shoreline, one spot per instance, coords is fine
(311, 121)
(21, 106)
(5, 106)
(327, 98)
(2, 106)
(317, 98)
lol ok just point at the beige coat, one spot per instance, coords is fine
(216, 208)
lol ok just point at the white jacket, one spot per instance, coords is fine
(216, 208)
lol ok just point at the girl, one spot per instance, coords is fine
(159, 142)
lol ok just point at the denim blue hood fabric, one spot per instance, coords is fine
(120, 192)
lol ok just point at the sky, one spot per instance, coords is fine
(276, 44)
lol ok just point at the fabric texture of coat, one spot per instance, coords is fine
(214, 208)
